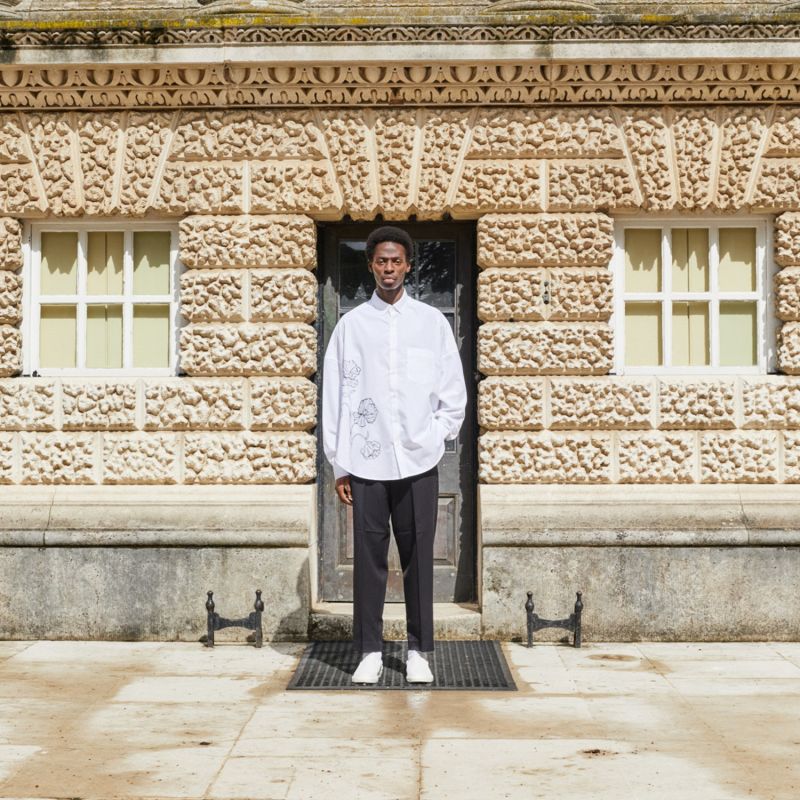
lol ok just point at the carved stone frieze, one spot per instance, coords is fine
(27, 406)
(10, 298)
(657, 457)
(282, 404)
(511, 403)
(283, 295)
(738, 457)
(212, 295)
(579, 404)
(140, 458)
(696, 405)
(98, 406)
(188, 404)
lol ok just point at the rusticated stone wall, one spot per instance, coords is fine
(10, 296)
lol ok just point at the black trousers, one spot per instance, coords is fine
(412, 505)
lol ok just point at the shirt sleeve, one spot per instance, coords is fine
(452, 388)
(332, 400)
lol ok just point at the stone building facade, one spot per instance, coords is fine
(668, 496)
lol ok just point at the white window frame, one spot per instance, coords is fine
(33, 300)
(766, 327)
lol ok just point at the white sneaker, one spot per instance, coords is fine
(417, 669)
(370, 668)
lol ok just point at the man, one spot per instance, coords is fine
(393, 391)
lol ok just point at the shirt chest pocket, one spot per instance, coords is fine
(420, 366)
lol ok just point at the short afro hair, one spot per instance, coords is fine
(388, 233)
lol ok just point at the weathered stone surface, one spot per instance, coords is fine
(590, 185)
(521, 457)
(784, 136)
(787, 294)
(242, 135)
(789, 348)
(283, 295)
(580, 294)
(282, 404)
(348, 136)
(442, 135)
(6, 457)
(601, 404)
(146, 136)
(186, 404)
(10, 298)
(55, 147)
(647, 133)
(249, 458)
(742, 132)
(787, 239)
(99, 406)
(27, 405)
(297, 186)
(195, 188)
(511, 404)
(509, 348)
(694, 134)
(395, 137)
(511, 294)
(10, 244)
(771, 403)
(696, 405)
(544, 133)
(10, 350)
(499, 186)
(248, 241)
(285, 349)
(140, 458)
(99, 137)
(738, 457)
(657, 457)
(791, 457)
(545, 240)
(212, 295)
(55, 458)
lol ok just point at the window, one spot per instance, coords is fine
(101, 300)
(691, 296)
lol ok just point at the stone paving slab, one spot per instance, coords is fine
(151, 721)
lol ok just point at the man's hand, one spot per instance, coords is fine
(344, 491)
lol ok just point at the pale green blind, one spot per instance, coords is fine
(737, 259)
(151, 336)
(690, 345)
(151, 262)
(57, 336)
(737, 334)
(59, 268)
(104, 336)
(642, 260)
(690, 260)
(643, 346)
(104, 262)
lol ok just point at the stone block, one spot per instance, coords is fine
(511, 404)
(519, 348)
(194, 188)
(741, 136)
(12, 139)
(545, 240)
(585, 294)
(55, 149)
(287, 349)
(544, 133)
(771, 403)
(282, 404)
(10, 351)
(738, 457)
(140, 458)
(784, 134)
(443, 134)
(288, 457)
(521, 457)
(788, 348)
(604, 404)
(787, 239)
(10, 244)
(187, 404)
(511, 294)
(499, 186)
(791, 457)
(694, 134)
(10, 298)
(395, 131)
(787, 294)
(28, 404)
(212, 295)
(302, 187)
(648, 136)
(7, 458)
(19, 192)
(248, 241)
(146, 135)
(696, 405)
(778, 184)
(98, 406)
(657, 457)
(58, 458)
(283, 295)
(591, 185)
(98, 142)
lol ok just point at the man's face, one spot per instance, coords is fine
(389, 265)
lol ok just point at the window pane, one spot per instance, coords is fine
(356, 283)
(643, 334)
(57, 336)
(151, 262)
(104, 262)
(642, 260)
(151, 336)
(104, 337)
(737, 334)
(59, 273)
(436, 273)
(690, 259)
(690, 335)
(737, 259)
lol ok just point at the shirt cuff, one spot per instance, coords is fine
(338, 472)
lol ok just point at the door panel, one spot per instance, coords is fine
(442, 277)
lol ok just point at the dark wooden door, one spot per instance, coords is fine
(442, 277)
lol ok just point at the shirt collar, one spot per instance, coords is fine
(381, 305)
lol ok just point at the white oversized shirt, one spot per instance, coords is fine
(392, 390)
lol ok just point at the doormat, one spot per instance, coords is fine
(457, 666)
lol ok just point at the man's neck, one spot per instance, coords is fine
(391, 296)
